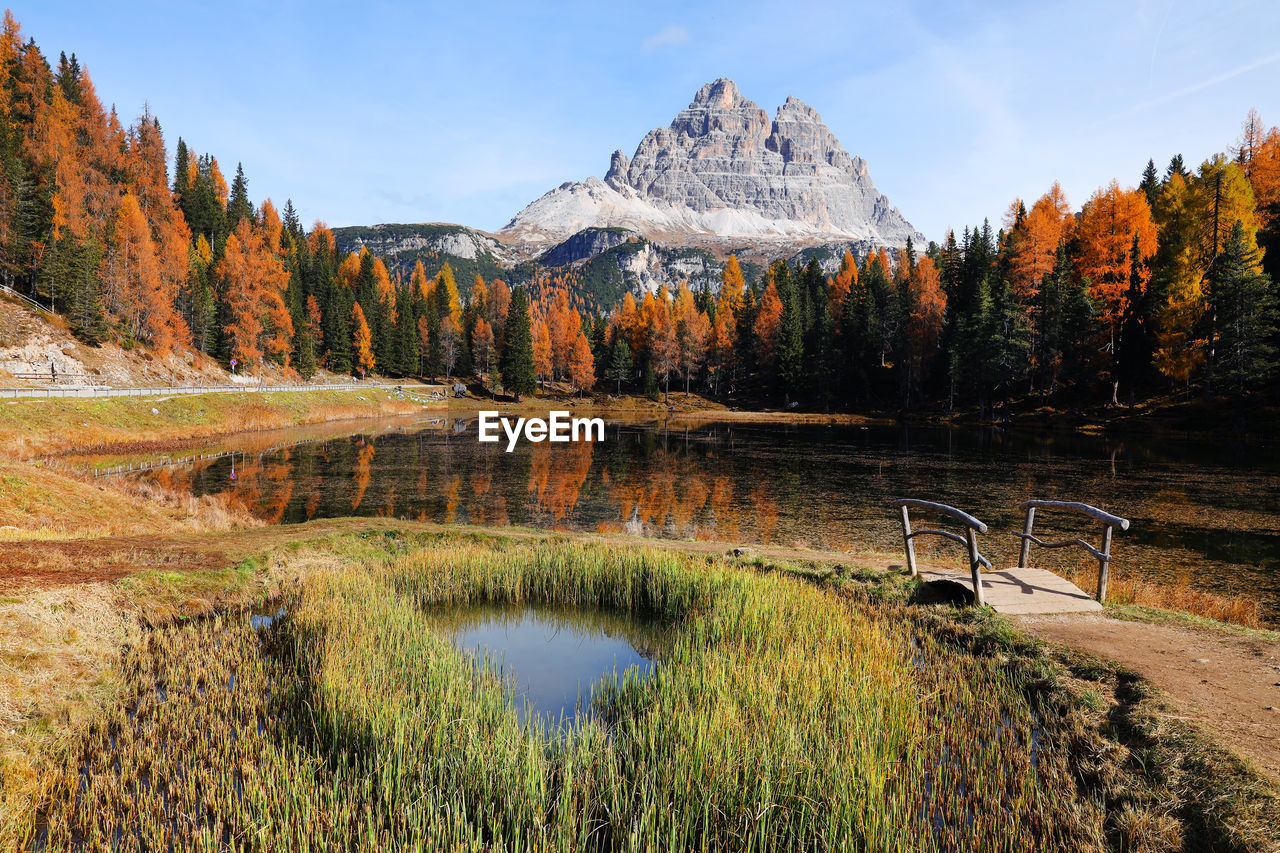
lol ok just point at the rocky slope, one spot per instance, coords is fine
(722, 171)
(466, 250)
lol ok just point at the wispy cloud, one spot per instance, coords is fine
(1205, 84)
(671, 36)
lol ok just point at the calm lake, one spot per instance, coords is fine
(1204, 511)
(550, 658)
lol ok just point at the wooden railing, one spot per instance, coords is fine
(1103, 555)
(970, 539)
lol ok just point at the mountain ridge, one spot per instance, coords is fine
(723, 171)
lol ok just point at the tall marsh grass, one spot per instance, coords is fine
(783, 718)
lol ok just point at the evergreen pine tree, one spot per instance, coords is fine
(1008, 341)
(337, 328)
(620, 362)
(516, 364)
(181, 172)
(238, 204)
(290, 221)
(435, 353)
(1150, 184)
(1244, 302)
(600, 350)
(790, 346)
(407, 356)
(1080, 321)
(1133, 351)
(649, 381)
(87, 315)
(305, 360)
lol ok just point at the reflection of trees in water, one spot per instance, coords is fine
(682, 489)
(360, 473)
(557, 474)
(652, 638)
(452, 494)
(1198, 511)
(481, 481)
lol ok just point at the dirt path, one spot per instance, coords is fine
(1228, 683)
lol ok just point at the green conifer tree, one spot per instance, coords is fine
(516, 363)
(1150, 184)
(1243, 300)
(620, 362)
(238, 204)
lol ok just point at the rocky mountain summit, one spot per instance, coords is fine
(722, 171)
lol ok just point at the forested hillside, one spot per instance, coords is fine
(1165, 286)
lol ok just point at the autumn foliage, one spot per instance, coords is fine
(1150, 288)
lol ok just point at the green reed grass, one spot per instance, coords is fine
(783, 718)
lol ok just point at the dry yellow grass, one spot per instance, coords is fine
(57, 665)
(59, 648)
(1181, 597)
(33, 428)
(39, 502)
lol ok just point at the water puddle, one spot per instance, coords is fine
(552, 658)
(266, 615)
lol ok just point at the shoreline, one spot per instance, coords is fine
(1174, 419)
(193, 576)
(182, 562)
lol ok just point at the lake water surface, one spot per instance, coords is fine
(552, 657)
(1204, 511)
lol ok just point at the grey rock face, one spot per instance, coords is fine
(587, 243)
(444, 239)
(722, 168)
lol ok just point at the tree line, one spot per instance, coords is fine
(1168, 285)
(1161, 288)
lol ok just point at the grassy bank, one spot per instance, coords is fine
(798, 708)
(31, 428)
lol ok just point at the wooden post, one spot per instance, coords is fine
(1025, 552)
(1104, 564)
(908, 542)
(975, 567)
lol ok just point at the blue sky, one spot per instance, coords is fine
(464, 112)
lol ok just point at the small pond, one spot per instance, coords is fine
(552, 658)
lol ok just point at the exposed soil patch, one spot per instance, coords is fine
(1229, 684)
(59, 563)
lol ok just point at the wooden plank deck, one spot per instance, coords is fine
(1022, 590)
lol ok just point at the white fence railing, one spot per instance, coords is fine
(24, 299)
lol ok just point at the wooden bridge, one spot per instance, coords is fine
(1021, 589)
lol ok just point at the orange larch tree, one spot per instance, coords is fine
(482, 345)
(361, 339)
(254, 281)
(1259, 155)
(841, 283)
(1105, 231)
(499, 299)
(542, 364)
(563, 324)
(732, 285)
(924, 323)
(131, 279)
(693, 333)
(582, 366)
(1037, 237)
(768, 321)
